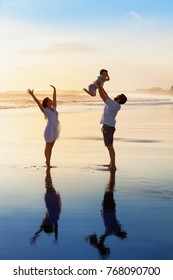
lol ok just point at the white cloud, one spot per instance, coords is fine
(59, 48)
(135, 15)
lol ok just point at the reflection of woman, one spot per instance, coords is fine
(48, 107)
(53, 205)
(112, 225)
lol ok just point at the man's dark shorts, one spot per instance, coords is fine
(108, 134)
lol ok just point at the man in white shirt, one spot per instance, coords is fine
(112, 106)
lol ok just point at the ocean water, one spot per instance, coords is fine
(80, 210)
(10, 100)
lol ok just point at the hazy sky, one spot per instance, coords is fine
(67, 42)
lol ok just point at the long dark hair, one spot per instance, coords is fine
(44, 102)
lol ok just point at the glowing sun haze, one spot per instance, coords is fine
(67, 42)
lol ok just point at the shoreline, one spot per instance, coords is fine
(143, 192)
(144, 126)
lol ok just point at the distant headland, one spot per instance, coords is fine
(156, 90)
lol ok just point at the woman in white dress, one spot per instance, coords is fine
(48, 107)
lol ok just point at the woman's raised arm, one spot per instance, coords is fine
(31, 92)
(54, 96)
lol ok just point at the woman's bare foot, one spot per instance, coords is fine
(112, 168)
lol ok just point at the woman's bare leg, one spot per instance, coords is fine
(48, 152)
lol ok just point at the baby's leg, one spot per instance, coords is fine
(86, 91)
(91, 90)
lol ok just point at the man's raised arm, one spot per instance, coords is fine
(103, 93)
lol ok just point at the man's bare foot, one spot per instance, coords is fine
(106, 165)
(48, 164)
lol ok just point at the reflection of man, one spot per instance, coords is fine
(112, 106)
(53, 205)
(112, 225)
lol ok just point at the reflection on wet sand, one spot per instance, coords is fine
(53, 204)
(111, 223)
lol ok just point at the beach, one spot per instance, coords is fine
(142, 194)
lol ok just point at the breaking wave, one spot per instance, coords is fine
(12, 100)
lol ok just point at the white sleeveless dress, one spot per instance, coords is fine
(52, 129)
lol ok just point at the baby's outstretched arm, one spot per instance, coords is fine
(107, 78)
